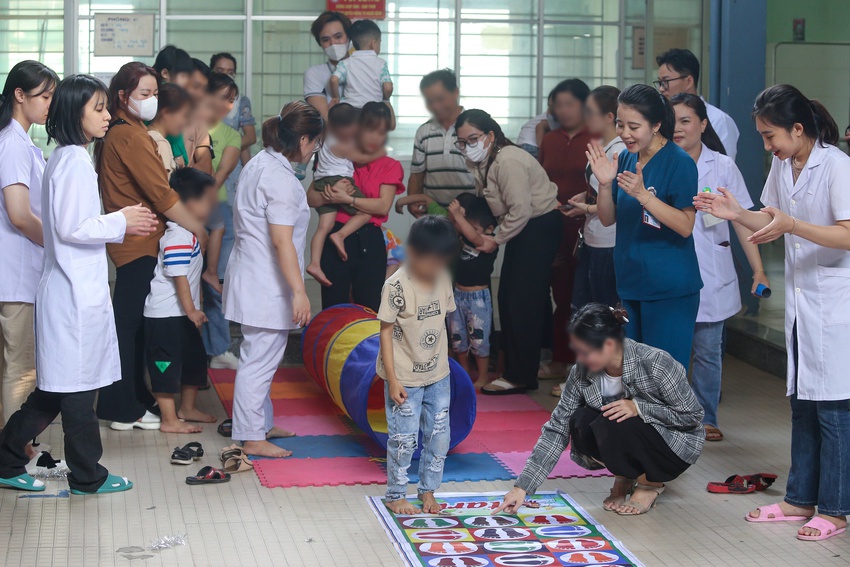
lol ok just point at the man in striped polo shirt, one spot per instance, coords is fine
(437, 168)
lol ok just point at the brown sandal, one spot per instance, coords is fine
(237, 464)
(713, 433)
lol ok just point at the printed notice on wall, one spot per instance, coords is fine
(360, 9)
(124, 34)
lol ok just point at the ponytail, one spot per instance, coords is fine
(282, 133)
(652, 105)
(709, 136)
(33, 78)
(785, 105)
(595, 323)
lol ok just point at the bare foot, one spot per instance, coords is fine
(316, 271)
(838, 521)
(197, 415)
(212, 280)
(622, 487)
(429, 503)
(264, 449)
(788, 510)
(179, 427)
(403, 507)
(278, 433)
(339, 242)
(480, 383)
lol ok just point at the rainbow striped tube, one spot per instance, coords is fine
(340, 347)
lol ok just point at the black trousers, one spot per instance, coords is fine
(82, 436)
(127, 399)
(361, 278)
(524, 296)
(630, 448)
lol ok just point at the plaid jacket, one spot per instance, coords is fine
(657, 384)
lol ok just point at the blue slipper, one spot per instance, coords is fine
(23, 482)
(114, 483)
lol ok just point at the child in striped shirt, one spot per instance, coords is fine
(175, 353)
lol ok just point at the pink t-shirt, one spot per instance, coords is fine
(370, 177)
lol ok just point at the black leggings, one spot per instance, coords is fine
(82, 436)
(361, 278)
(524, 296)
(127, 399)
(629, 448)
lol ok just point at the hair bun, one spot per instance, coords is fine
(620, 314)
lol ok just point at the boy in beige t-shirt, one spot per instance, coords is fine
(414, 361)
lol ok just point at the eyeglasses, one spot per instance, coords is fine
(665, 83)
(470, 142)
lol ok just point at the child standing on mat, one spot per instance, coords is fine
(414, 361)
(470, 324)
(175, 353)
(337, 157)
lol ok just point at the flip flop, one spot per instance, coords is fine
(23, 482)
(557, 390)
(208, 475)
(225, 428)
(113, 483)
(777, 513)
(501, 387)
(545, 372)
(734, 485)
(762, 481)
(827, 530)
(230, 451)
(238, 464)
(712, 430)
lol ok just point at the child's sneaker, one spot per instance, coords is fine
(226, 361)
(44, 465)
(148, 421)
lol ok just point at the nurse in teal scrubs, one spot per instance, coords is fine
(648, 191)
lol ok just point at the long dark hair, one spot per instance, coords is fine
(785, 105)
(283, 132)
(652, 106)
(595, 323)
(28, 76)
(709, 136)
(484, 122)
(65, 118)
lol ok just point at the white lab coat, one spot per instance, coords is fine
(21, 260)
(255, 291)
(719, 297)
(725, 127)
(76, 343)
(817, 279)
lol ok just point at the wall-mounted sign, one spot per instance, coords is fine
(800, 29)
(124, 34)
(360, 9)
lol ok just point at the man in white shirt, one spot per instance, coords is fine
(330, 30)
(678, 72)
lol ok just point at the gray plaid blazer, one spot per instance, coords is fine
(657, 384)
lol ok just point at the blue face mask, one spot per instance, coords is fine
(300, 171)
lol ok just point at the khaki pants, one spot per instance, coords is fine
(17, 363)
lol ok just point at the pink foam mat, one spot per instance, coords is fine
(305, 406)
(225, 376)
(566, 468)
(501, 420)
(508, 440)
(507, 403)
(347, 471)
(314, 424)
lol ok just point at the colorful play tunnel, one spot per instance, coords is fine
(340, 347)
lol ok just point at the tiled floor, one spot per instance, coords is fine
(242, 523)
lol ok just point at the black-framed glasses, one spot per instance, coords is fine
(665, 83)
(470, 142)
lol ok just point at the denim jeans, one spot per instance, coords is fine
(469, 324)
(530, 148)
(595, 281)
(427, 406)
(216, 331)
(708, 367)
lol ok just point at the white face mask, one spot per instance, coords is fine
(144, 109)
(478, 153)
(336, 51)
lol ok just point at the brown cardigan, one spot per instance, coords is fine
(131, 172)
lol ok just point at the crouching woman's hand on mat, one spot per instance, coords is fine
(513, 501)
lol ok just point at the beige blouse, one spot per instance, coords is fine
(163, 148)
(517, 190)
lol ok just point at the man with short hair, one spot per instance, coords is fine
(437, 168)
(330, 30)
(678, 72)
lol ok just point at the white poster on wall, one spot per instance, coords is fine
(124, 34)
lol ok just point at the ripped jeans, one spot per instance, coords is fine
(428, 406)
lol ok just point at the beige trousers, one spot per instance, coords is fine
(17, 363)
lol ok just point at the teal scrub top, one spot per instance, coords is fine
(654, 262)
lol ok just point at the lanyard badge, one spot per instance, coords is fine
(648, 219)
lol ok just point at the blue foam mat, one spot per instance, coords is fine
(322, 446)
(466, 467)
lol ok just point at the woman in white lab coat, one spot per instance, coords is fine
(807, 198)
(77, 349)
(719, 297)
(24, 101)
(264, 283)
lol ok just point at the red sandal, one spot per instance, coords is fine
(734, 485)
(208, 475)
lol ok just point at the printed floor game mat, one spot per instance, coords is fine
(330, 450)
(550, 529)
